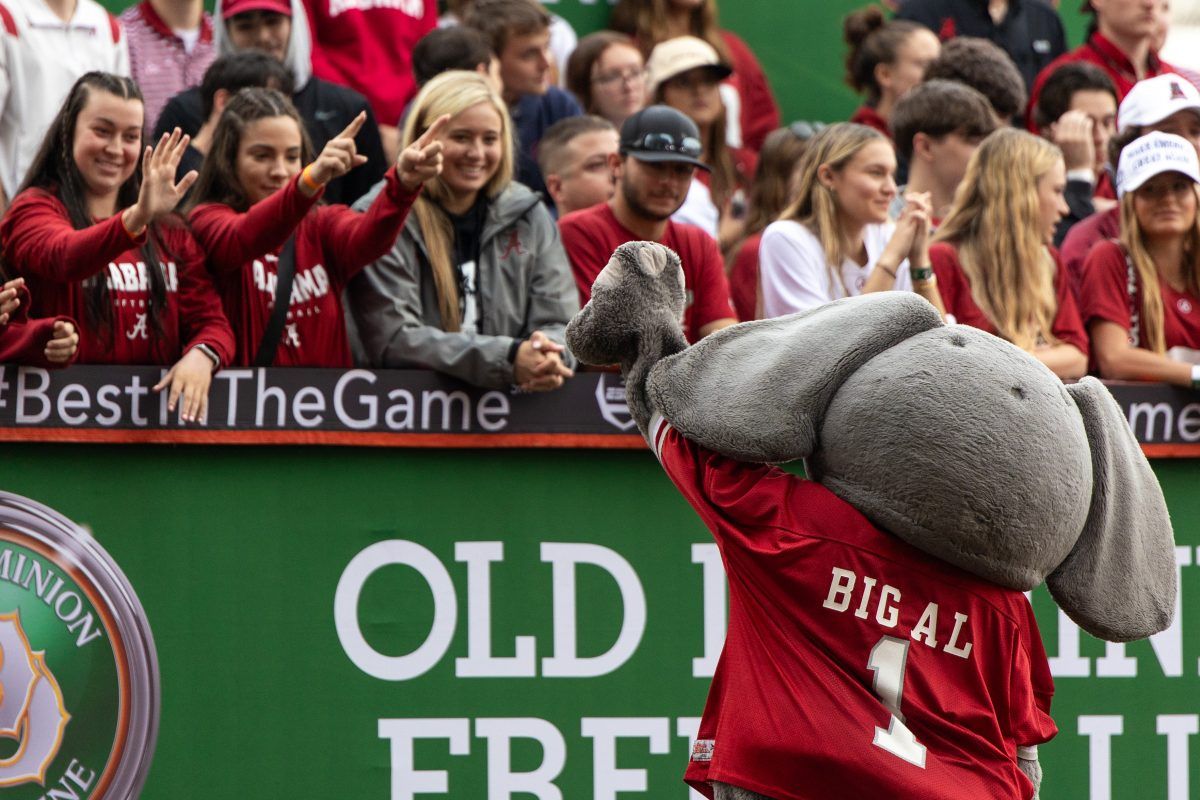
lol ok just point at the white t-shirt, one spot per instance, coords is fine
(793, 273)
(41, 57)
(698, 209)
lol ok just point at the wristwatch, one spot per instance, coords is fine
(212, 354)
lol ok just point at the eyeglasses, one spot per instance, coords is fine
(805, 130)
(666, 143)
(626, 76)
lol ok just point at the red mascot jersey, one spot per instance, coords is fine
(854, 665)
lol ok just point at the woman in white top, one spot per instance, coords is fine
(835, 239)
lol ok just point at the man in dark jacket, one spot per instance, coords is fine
(1028, 30)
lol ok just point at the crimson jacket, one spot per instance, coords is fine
(333, 244)
(23, 340)
(57, 261)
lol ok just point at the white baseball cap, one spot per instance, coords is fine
(679, 55)
(1153, 154)
(1154, 99)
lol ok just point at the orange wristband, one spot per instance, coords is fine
(128, 232)
(306, 180)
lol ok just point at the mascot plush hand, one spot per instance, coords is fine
(879, 644)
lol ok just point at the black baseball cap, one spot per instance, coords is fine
(662, 134)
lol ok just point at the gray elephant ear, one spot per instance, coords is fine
(758, 391)
(1119, 580)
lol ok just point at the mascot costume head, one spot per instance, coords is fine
(955, 442)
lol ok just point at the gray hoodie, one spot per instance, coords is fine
(525, 284)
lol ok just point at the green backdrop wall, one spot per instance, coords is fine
(238, 553)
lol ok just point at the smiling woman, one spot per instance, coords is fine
(835, 240)
(1141, 302)
(93, 232)
(479, 287)
(258, 217)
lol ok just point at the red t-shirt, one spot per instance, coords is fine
(956, 295)
(55, 259)
(1106, 295)
(865, 115)
(743, 279)
(824, 607)
(590, 236)
(1083, 236)
(23, 340)
(333, 243)
(368, 47)
(1101, 52)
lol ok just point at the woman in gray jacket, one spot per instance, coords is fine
(477, 284)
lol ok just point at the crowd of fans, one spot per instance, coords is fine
(332, 183)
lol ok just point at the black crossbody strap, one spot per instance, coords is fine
(284, 273)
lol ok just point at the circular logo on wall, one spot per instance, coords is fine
(79, 687)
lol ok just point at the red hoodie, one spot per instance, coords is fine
(23, 340)
(40, 244)
(333, 244)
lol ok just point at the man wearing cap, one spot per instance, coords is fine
(280, 28)
(1165, 103)
(45, 46)
(660, 150)
(1141, 300)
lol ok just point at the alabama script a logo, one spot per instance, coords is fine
(78, 675)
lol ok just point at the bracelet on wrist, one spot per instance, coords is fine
(211, 354)
(128, 232)
(919, 274)
(1196, 376)
(307, 181)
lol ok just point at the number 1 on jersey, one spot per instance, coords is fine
(888, 659)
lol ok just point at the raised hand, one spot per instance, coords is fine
(339, 156)
(9, 302)
(63, 343)
(422, 160)
(1073, 134)
(160, 194)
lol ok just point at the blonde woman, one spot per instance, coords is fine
(992, 257)
(1140, 297)
(835, 239)
(477, 284)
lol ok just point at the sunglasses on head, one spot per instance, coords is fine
(666, 143)
(805, 130)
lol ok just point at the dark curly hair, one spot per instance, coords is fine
(984, 67)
